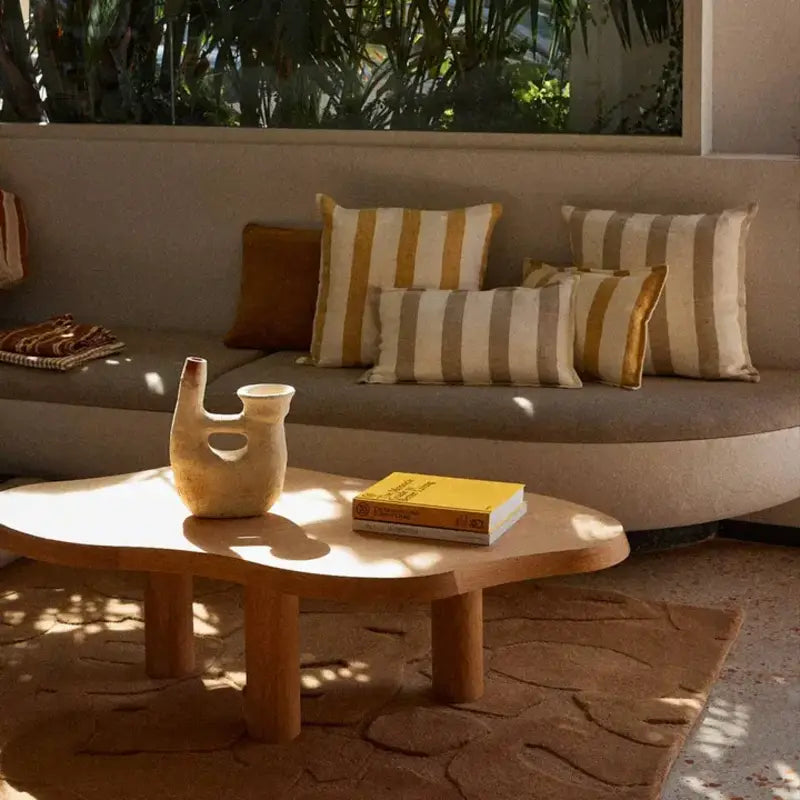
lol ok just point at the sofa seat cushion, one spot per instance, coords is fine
(144, 376)
(664, 409)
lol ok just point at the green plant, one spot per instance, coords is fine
(663, 114)
(376, 64)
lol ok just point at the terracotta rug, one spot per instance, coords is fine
(589, 696)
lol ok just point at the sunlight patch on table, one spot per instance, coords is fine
(308, 506)
(590, 528)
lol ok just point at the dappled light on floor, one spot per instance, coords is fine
(778, 781)
(205, 622)
(791, 781)
(724, 726)
(318, 678)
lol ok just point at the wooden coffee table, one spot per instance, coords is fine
(304, 548)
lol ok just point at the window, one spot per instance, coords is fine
(488, 66)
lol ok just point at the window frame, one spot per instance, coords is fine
(695, 139)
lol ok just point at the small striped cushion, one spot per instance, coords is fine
(511, 335)
(699, 328)
(371, 248)
(13, 241)
(611, 314)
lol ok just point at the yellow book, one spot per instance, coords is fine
(439, 502)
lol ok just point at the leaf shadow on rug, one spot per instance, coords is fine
(589, 696)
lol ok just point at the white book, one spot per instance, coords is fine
(444, 534)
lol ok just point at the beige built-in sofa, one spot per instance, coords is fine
(159, 265)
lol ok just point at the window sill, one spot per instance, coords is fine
(349, 138)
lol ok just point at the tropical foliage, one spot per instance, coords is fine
(491, 65)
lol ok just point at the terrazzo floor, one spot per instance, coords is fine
(746, 745)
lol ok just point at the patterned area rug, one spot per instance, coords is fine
(589, 696)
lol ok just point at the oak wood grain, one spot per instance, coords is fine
(168, 625)
(272, 658)
(457, 647)
(305, 545)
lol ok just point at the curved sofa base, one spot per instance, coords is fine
(644, 485)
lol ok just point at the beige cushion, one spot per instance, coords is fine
(663, 410)
(13, 240)
(369, 248)
(611, 314)
(699, 328)
(514, 336)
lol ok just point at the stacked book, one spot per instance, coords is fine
(436, 507)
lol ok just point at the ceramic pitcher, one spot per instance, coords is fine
(244, 482)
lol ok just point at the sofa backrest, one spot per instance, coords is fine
(149, 232)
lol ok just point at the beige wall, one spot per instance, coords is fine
(756, 76)
(149, 232)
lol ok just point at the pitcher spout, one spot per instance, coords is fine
(191, 390)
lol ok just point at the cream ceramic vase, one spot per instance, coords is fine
(244, 482)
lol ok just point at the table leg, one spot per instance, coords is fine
(272, 659)
(168, 625)
(457, 643)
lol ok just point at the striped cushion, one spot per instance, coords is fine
(13, 241)
(512, 335)
(370, 248)
(699, 329)
(611, 314)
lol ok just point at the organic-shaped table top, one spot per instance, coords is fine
(306, 543)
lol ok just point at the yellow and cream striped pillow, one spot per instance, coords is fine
(13, 241)
(611, 314)
(511, 335)
(372, 248)
(699, 328)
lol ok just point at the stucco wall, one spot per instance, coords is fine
(149, 232)
(757, 76)
(119, 228)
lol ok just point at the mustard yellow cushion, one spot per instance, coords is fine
(612, 310)
(367, 249)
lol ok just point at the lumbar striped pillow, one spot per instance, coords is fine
(611, 314)
(13, 240)
(699, 328)
(511, 335)
(371, 248)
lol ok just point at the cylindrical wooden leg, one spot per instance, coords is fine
(272, 659)
(168, 625)
(457, 644)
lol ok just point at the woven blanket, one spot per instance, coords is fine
(58, 343)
